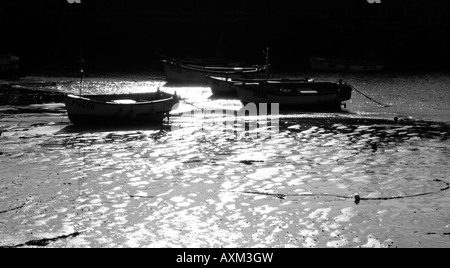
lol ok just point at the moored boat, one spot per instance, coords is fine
(227, 86)
(143, 108)
(191, 74)
(302, 95)
(9, 66)
(345, 65)
(204, 61)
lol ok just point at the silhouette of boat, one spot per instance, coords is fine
(345, 65)
(191, 74)
(205, 61)
(9, 66)
(227, 86)
(143, 108)
(301, 95)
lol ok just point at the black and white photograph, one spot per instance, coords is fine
(246, 125)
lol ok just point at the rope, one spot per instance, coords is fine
(365, 95)
(16, 208)
(190, 103)
(60, 123)
(356, 197)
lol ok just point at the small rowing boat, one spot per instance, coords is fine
(120, 108)
(227, 86)
(190, 74)
(345, 65)
(301, 95)
(9, 66)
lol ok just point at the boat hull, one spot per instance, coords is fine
(221, 85)
(108, 109)
(301, 96)
(9, 66)
(334, 65)
(202, 61)
(227, 86)
(177, 73)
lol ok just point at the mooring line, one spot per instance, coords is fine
(190, 103)
(60, 123)
(12, 209)
(370, 98)
(356, 197)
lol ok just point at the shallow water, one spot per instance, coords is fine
(190, 183)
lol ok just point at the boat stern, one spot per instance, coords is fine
(344, 92)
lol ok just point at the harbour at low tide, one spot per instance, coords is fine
(189, 183)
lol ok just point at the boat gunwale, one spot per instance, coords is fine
(292, 93)
(84, 98)
(261, 81)
(219, 70)
(349, 62)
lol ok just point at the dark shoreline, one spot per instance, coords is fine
(19, 95)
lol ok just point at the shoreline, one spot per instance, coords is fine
(19, 95)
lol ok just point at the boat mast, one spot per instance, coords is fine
(267, 63)
(81, 71)
(81, 74)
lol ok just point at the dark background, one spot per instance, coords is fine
(131, 36)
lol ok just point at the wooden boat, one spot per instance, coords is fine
(227, 86)
(204, 61)
(9, 66)
(301, 95)
(119, 108)
(179, 73)
(345, 65)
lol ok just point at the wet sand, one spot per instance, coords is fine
(65, 186)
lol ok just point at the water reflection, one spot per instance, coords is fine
(71, 129)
